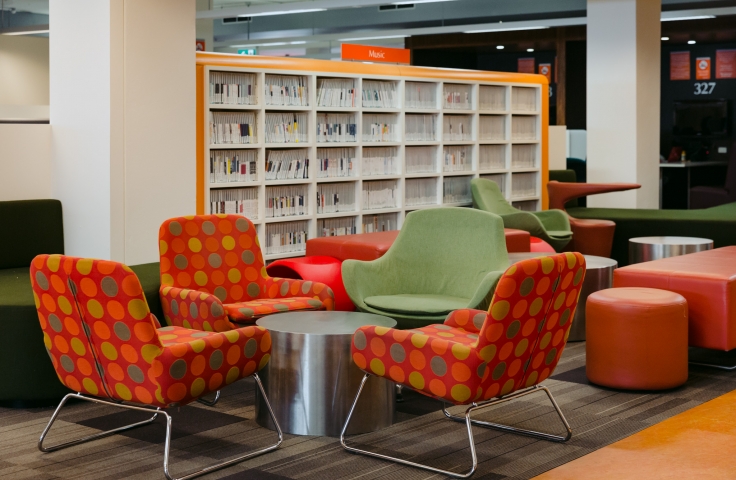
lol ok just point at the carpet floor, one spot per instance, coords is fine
(203, 435)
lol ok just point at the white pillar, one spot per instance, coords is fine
(623, 90)
(122, 121)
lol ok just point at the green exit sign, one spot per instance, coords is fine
(247, 51)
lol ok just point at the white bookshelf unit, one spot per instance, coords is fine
(352, 152)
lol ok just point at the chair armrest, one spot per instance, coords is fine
(482, 296)
(469, 319)
(287, 287)
(562, 192)
(194, 309)
(526, 221)
(554, 220)
(365, 279)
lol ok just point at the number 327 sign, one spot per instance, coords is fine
(704, 88)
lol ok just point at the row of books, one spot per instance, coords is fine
(232, 127)
(286, 201)
(456, 127)
(499, 178)
(524, 99)
(286, 237)
(421, 191)
(287, 127)
(526, 205)
(335, 197)
(420, 159)
(420, 95)
(523, 184)
(420, 128)
(380, 128)
(229, 88)
(383, 222)
(492, 98)
(377, 94)
(380, 161)
(457, 158)
(287, 164)
(524, 127)
(336, 162)
(241, 201)
(380, 194)
(336, 127)
(233, 166)
(456, 190)
(524, 156)
(334, 227)
(457, 96)
(286, 90)
(336, 92)
(492, 128)
(492, 157)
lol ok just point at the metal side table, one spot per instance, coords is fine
(646, 249)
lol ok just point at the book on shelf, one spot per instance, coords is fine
(526, 205)
(492, 157)
(380, 128)
(336, 162)
(456, 127)
(230, 88)
(287, 127)
(524, 99)
(334, 227)
(383, 222)
(380, 194)
(524, 127)
(286, 237)
(377, 94)
(492, 98)
(241, 201)
(457, 96)
(286, 201)
(421, 191)
(420, 128)
(233, 166)
(524, 156)
(456, 190)
(420, 95)
(289, 164)
(336, 127)
(420, 159)
(232, 128)
(335, 197)
(523, 184)
(380, 161)
(457, 158)
(286, 90)
(492, 128)
(336, 92)
(499, 179)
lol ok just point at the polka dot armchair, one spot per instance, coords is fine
(105, 344)
(212, 274)
(477, 357)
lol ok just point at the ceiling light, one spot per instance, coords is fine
(370, 38)
(691, 42)
(664, 39)
(420, 1)
(529, 49)
(504, 29)
(26, 30)
(283, 12)
(272, 44)
(499, 47)
(693, 17)
(298, 42)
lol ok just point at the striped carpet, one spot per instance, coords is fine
(203, 435)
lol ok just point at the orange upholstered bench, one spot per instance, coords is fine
(370, 246)
(707, 280)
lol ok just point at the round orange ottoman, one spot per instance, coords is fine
(636, 338)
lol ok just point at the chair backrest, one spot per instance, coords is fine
(29, 228)
(96, 326)
(218, 254)
(510, 331)
(487, 196)
(445, 251)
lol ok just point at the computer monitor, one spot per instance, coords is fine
(701, 118)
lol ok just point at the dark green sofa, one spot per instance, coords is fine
(716, 223)
(31, 227)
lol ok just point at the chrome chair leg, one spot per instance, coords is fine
(408, 462)
(210, 403)
(520, 431)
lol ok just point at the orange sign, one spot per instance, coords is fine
(679, 65)
(200, 45)
(702, 68)
(546, 70)
(525, 65)
(725, 63)
(366, 53)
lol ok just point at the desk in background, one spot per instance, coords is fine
(677, 178)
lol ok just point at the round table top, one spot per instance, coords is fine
(322, 323)
(671, 240)
(592, 262)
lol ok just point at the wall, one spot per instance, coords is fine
(25, 70)
(25, 152)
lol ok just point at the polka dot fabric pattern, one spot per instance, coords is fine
(474, 355)
(194, 309)
(220, 255)
(103, 341)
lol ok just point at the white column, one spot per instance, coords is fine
(623, 92)
(122, 121)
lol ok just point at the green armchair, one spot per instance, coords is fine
(443, 259)
(552, 226)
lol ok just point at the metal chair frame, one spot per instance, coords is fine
(468, 423)
(156, 411)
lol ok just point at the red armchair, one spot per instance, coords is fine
(212, 274)
(106, 346)
(481, 358)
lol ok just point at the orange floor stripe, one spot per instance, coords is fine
(697, 444)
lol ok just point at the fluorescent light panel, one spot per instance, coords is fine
(692, 17)
(283, 12)
(414, 2)
(371, 38)
(489, 30)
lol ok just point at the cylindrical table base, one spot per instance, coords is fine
(646, 249)
(599, 277)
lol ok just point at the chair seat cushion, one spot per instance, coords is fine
(249, 312)
(424, 304)
(559, 233)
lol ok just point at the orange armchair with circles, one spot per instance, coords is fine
(106, 345)
(479, 358)
(213, 276)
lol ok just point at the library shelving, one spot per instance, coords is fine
(311, 148)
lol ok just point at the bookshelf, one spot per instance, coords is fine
(310, 148)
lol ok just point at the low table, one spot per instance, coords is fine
(311, 379)
(646, 249)
(598, 276)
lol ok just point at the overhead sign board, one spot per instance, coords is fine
(367, 53)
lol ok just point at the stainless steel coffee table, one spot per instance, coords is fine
(646, 249)
(311, 379)
(598, 276)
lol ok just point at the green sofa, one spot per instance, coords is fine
(31, 227)
(716, 223)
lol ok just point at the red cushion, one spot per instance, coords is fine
(319, 268)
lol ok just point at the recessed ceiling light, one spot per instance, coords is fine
(529, 49)
(692, 17)
(664, 39)
(499, 47)
(691, 42)
(488, 30)
(283, 12)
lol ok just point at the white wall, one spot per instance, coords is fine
(557, 158)
(24, 70)
(25, 152)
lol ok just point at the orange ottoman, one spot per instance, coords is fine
(636, 338)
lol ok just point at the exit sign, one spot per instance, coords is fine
(247, 51)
